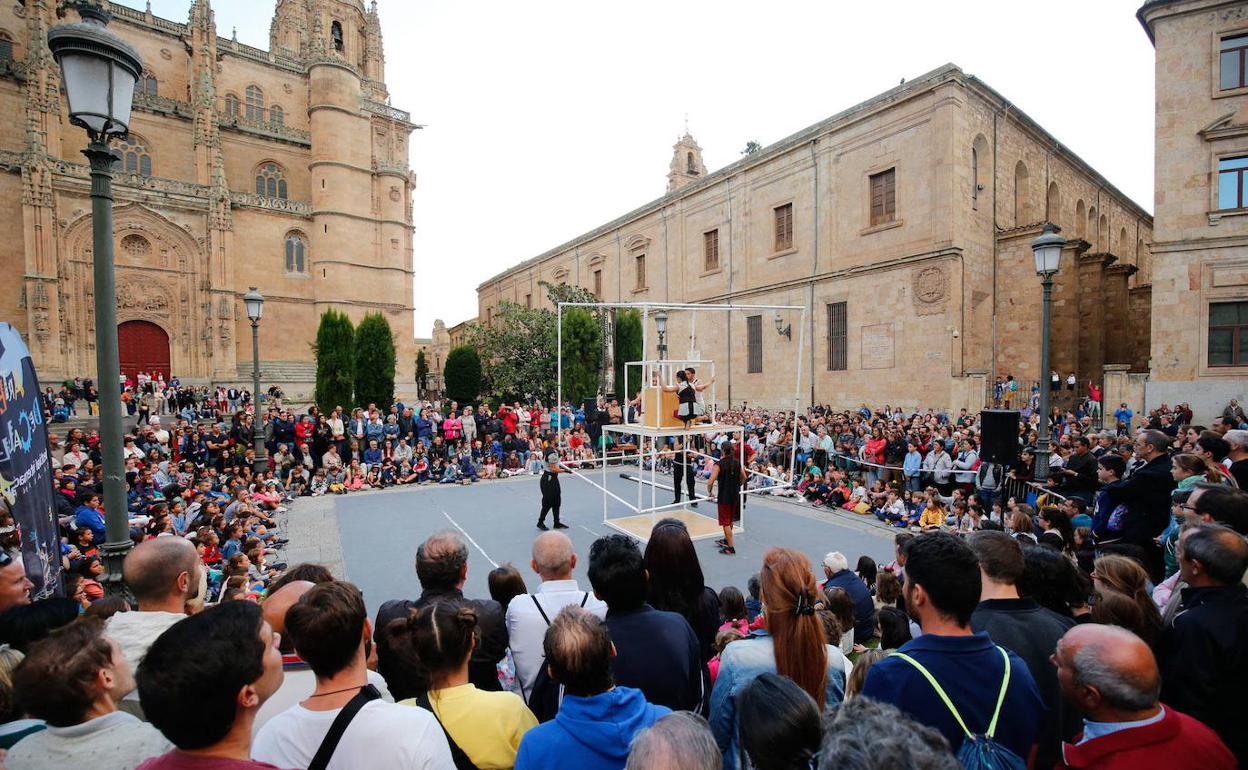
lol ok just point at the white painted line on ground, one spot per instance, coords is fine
(474, 542)
(590, 531)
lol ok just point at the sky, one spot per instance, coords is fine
(546, 119)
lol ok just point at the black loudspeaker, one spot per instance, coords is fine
(590, 407)
(998, 436)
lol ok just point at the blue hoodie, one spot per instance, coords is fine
(589, 733)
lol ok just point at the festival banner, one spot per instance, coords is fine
(25, 467)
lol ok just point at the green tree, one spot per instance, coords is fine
(627, 348)
(374, 362)
(422, 372)
(582, 354)
(517, 353)
(335, 366)
(463, 375)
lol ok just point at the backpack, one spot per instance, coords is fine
(546, 695)
(980, 751)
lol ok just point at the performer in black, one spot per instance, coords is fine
(727, 473)
(551, 494)
(682, 468)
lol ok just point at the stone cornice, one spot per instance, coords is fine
(1103, 257)
(161, 105)
(362, 218)
(267, 130)
(1124, 269)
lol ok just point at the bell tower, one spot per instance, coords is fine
(687, 165)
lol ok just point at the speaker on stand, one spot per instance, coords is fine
(998, 436)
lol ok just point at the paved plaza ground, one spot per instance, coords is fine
(370, 538)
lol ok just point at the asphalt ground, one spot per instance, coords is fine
(380, 530)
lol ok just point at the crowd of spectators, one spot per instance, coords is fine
(1107, 629)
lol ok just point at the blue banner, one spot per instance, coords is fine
(25, 467)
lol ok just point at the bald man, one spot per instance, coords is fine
(299, 682)
(1204, 654)
(165, 575)
(1109, 674)
(529, 615)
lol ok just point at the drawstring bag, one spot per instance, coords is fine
(980, 751)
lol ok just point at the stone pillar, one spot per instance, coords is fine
(1117, 390)
(1092, 314)
(1117, 327)
(1139, 311)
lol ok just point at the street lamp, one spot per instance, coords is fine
(660, 322)
(99, 70)
(1047, 249)
(254, 301)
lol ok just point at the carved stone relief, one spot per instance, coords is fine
(930, 290)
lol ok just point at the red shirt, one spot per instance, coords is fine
(180, 760)
(510, 421)
(1176, 741)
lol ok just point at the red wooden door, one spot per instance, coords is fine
(143, 347)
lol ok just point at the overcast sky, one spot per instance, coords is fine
(546, 119)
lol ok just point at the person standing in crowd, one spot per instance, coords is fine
(942, 590)
(1204, 653)
(442, 569)
(729, 475)
(14, 585)
(1238, 440)
(1110, 675)
(552, 495)
(330, 629)
(781, 725)
(164, 574)
(202, 682)
(790, 643)
(682, 471)
(657, 652)
(836, 570)
(1024, 628)
(528, 615)
(1079, 473)
(675, 581)
(597, 720)
(1145, 499)
(73, 680)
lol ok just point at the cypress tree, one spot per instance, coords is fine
(335, 339)
(374, 362)
(463, 375)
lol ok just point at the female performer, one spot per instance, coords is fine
(551, 494)
(727, 472)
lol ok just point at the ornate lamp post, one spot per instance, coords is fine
(254, 301)
(660, 322)
(1047, 249)
(99, 71)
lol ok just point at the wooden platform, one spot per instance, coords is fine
(700, 526)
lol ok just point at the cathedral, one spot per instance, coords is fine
(284, 169)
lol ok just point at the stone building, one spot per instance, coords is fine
(283, 169)
(904, 223)
(1200, 295)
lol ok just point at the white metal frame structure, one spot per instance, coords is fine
(656, 434)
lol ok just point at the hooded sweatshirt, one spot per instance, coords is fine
(589, 733)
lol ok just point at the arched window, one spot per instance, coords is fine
(979, 159)
(295, 253)
(1053, 204)
(231, 105)
(1021, 200)
(1091, 236)
(6, 47)
(134, 156)
(254, 106)
(693, 167)
(335, 34)
(271, 181)
(1081, 220)
(277, 116)
(1123, 243)
(1102, 235)
(147, 84)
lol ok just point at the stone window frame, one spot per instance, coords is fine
(233, 108)
(710, 247)
(134, 147)
(277, 116)
(1238, 331)
(1215, 63)
(895, 166)
(8, 46)
(296, 262)
(754, 344)
(838, 336)
(147, 84)
(1215, 291)
(780, 246)
(253, 103)
(270, 178)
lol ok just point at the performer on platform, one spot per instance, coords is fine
(682, 469)
(551, 493)
(727, 473)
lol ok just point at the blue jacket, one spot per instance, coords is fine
(970, 670)
(92, 520)
(912, 464)
(424, 428)
(864, 605)
(588, 733)
(739, 664)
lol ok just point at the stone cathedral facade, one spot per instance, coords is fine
(284, 169)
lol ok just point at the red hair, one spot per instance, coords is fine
(788, 591)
